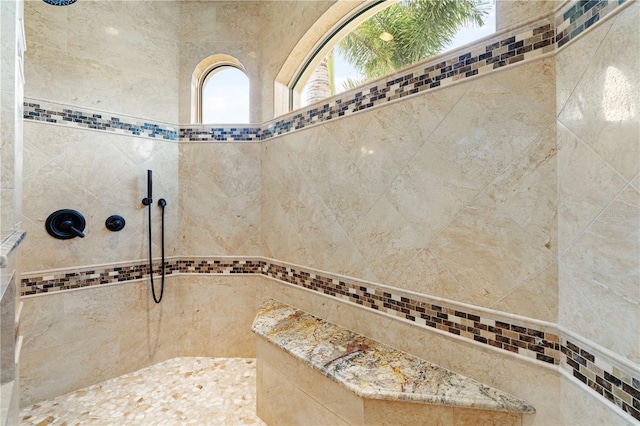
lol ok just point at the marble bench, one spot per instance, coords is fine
(312, 372)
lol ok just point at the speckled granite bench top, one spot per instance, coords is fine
(371, 369)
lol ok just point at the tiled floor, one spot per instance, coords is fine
(180, 391)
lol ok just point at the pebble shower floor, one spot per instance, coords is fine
(180, 391)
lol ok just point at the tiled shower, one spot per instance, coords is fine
(480, 210)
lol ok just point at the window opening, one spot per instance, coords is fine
(396, 37)
(225, 96)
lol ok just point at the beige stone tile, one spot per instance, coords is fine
(117, 42)
(196, 19)
(584, 407)
(380, 412)
(345, 190)
(534, 81)
(426, 274)
(41, 321)
(527, 192)
(387, 242)
(59, 75)
(333, 396)
(604, 107)
(279, 235)
(63, 161)
(8, 111)
(203, 204)
(572, 61)
(279, 401)
(220, 198)
(41, 142)
(585, 185)
(42, 251)
(500, 239)
(59, 369)
(636, 182)
(45, 25)
(431, 191)
(592, 280)
(156, 17)
(230, 28)
(85, 314)
(153, 337)
(512, 12)
(80, 153)
(536, 298)
(467, 417)
(315, 224)
(381, 145)
(348, 260)
(253, 246)
(221, 309)
(500, 125)
(150, 95)
(7, 213)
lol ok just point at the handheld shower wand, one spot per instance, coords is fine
(148, 201)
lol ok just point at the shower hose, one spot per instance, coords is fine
(162, 203)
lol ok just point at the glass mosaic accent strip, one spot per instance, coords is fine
(56, 114)
(503, 50)
(219, 134)
(609, 382)
(547, 346)
(519, 339)
(55, 282)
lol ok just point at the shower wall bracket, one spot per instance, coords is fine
(65, 224)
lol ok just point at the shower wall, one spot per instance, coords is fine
(219, 187)
(259, 34)
(117, 56)
(598, 126)
(434, 206)
(490, 192)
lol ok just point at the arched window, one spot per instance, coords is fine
(385, 37)
(220, 91)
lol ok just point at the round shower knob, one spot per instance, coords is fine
(115, 223)
(65, 224)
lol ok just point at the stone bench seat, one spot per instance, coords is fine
(370, 370)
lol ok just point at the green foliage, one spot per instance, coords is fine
(420, 28)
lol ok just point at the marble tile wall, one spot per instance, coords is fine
(99, 174)
(199, 316)
(11, 236)
(543, 343)
(219, 198)
(10, 107)
(598, 131)
(529, 230)
(513, 12)
(116, 56)
(370, 197)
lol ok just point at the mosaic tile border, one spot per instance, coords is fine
(60, 281)
(204, 133)
(56, 114)
(608, 381)
(505, 49)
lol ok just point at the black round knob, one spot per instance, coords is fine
(115, 223)
(65, 224)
